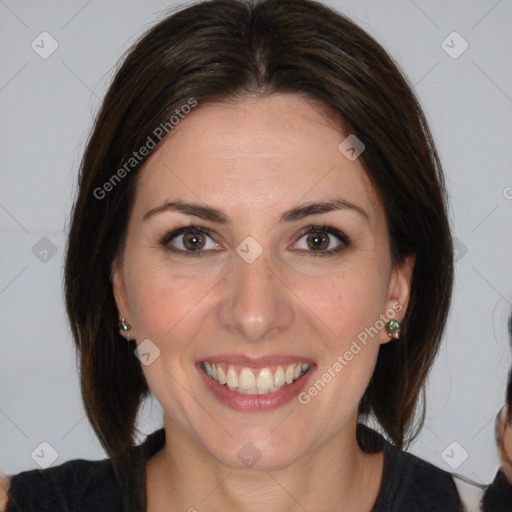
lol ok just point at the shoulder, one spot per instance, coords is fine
(92, 484)
(498, 496)
(411, 483)
(414, 482)
(84, 485)
(408, 482)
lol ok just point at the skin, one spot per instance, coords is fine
(254, 159)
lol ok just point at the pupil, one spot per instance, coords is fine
(193, 241)
(318, 241)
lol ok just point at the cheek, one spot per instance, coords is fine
(347, 303)
(167, 310)
(160, 301)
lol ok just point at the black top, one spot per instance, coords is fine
(408, 484)
(498, 497)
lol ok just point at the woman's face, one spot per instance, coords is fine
(282, 260)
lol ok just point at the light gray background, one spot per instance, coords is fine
(47, 107)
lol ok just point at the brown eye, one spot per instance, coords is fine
(321, 241)
(194, 241)
(318, 241)
(190, 241)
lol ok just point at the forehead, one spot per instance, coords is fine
(266, 153)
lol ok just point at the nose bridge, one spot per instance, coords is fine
(255, 304)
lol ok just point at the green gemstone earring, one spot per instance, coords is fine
(393, 328)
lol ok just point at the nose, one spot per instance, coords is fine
(256, 304)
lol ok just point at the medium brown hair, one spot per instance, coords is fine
(225, 50)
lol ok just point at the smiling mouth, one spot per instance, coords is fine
(248, 381)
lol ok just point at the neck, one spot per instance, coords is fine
(182, 474)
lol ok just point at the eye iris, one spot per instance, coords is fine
(318, 241)
(194, 241)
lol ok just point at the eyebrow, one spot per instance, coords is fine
(215, 215)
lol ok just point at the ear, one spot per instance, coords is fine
(399, 291)
(120, 296)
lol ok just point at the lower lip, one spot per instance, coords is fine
(266, 402)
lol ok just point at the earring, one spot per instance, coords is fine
(125, 327)
(393, 328)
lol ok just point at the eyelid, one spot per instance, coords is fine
(341, 237)
(315, 228)
(168, 236)
(165, 241)
(344, 241)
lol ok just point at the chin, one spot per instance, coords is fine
(260, 454)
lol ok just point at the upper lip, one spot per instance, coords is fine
(256, 362)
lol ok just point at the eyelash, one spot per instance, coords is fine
(345, 242)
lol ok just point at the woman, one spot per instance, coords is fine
(261, 220)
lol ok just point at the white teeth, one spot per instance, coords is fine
(221, 375)
(232, 377)
(246, 379)
(248, 383)
(288, 376)
(265, 380)
(279, 379)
